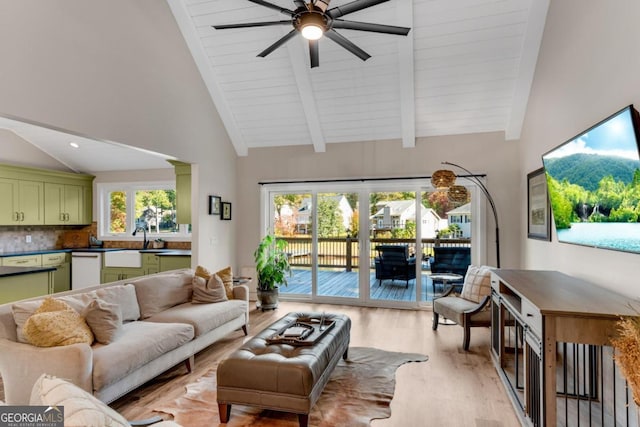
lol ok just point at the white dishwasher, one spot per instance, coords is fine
(85, 269)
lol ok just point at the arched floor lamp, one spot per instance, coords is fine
(445, 179)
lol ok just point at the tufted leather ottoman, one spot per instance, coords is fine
(282, 377)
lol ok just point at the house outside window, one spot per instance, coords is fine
(125, 207)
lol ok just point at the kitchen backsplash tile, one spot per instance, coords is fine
(14, 239)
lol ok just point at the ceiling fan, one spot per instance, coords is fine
(313, 19)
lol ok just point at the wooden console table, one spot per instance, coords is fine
(533, 311)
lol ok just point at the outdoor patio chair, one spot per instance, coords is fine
(393, 262)
(451, 259)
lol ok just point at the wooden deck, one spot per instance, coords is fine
(341, 283)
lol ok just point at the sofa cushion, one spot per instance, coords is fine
(477, 283)
(208, 291)
(138, 343)
(123, 296)
(55, 323)
(203, 317)
(158, 292)
(104, 319)
(22, 310)
(80, 408)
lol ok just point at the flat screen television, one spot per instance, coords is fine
(593, 182)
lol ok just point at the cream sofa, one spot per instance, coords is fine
(161, 328)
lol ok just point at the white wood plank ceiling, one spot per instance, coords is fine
(466, 67)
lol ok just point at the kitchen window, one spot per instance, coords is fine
(125, 207)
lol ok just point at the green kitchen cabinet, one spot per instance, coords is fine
(22, 202)
(150, 263)
(183, 191)
(33, 196)
(22, 261)
(113, 274)
(62, 275)
(174, 262)
(64, 204)
(18, 287)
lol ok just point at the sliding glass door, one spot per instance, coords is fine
(368, 243)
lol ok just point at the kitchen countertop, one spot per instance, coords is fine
(15, 271)
(160, 252)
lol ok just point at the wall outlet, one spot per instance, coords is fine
(28, 238)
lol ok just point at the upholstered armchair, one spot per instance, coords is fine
(470, 308)
(393, 262)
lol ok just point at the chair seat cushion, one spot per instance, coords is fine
(453, 308)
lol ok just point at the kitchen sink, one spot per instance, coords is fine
(126, 258)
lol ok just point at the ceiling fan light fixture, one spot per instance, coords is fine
(312, 26)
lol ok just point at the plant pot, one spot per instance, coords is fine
(268, 299)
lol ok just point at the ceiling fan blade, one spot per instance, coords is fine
(314, 53)
(322, 4)
(342, 41)
(366, 26)
(277, 44)
(251, 24)
(300, 3)
(273, 6)
(354, 6)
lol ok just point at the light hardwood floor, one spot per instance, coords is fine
(454, 388)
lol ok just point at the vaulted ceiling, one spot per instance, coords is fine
(465, 67)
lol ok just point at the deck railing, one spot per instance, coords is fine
(343, 252)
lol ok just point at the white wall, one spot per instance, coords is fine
(588, 68)
(120, 70)
(480, 153)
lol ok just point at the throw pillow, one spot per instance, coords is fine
(55, 323)
(22, 310)
(104, 319)
(124, 296)
(156, 293)
(80, 408)
(208, 291)
(227, 278)
(477, 283)
(202, 272)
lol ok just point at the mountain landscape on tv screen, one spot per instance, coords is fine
(593, 182)
(586, 170)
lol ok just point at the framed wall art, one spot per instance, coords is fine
(226, 211)
(214, 205)
(538, 209)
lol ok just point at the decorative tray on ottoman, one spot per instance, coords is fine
(302, 331)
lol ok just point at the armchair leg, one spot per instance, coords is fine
(434, 326)
(467, 338)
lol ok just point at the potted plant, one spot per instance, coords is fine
(272, 266)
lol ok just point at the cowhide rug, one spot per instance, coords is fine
(360, 389)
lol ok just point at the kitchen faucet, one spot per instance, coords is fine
(145, 243)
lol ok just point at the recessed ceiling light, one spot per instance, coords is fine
(74, 145)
